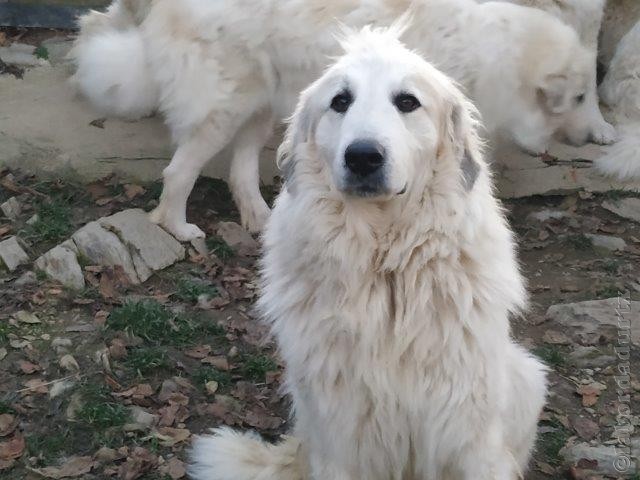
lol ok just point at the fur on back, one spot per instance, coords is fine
(392, 313)
(621, 91)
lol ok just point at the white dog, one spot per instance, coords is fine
(621, 91)
(585, 16)
(223, 72)
(388, 279)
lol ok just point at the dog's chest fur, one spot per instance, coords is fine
(363, 346)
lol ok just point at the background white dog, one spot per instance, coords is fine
(389, 277)
(585, 16)
(222, 72)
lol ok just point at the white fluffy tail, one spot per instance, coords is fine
(231, 455)
(112, 67)
(622, 160)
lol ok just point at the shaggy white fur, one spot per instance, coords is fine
(585, 16)
(389, 293)
(621, 91)
(224, 71)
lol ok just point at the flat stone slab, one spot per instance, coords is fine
(589, 320)
(150, 246)
(22, 55)
(608, 242)
(12, 254)
(606, 458)
(565, 170)
(11, 208)
(127, 240)
(626, 208)
(61, 264)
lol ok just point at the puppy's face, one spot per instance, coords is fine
(375, 117)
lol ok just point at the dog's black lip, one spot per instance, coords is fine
(404, 189)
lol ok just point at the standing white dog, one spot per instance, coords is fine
(388, 279)
(585, 16)
(223, 72)
(621, 91)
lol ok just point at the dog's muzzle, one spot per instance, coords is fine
(364, 161)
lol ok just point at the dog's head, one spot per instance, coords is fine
(382, 123)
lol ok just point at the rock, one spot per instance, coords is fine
(150, 246)
(11, 208)
(236, 237)
(625, 208)
(58, 388)
(27, 278)
(211, 387)
(22, 55)
(69, 363)
(555, 338)
(586, 428)
(61, 345)
(590, 357)
(102, 247)
(593, 318)
(33, 220)
(12, 254)
(546, 215)
(23, 316)
(606, 459)
(607, 242)
(141, 417)
(61, 264)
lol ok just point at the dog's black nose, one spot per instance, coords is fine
(364, 157)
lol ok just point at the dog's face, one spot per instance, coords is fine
(379, 118)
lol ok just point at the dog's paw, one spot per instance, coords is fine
(603, 133)
(255, 218)
(185, 232)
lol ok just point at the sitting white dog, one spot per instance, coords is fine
(388, 279)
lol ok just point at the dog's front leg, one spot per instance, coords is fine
(488, 458)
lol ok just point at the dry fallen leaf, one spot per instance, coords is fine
(27, 367)
(590, 393)
(13, 448)
(36, 385)
(73, 467)
(132, 190)
(174, 468)
(8, 424)
(169, 436)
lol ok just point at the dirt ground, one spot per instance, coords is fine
(113, 381)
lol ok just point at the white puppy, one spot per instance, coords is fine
(585, 16)
(388, 279)
(223, 72)
(621, 91)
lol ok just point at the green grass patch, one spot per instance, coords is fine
(609, 291)
(550, 354)
(99, 410)
(611, 266)
(54, 222)
(219, 248)
(550, 443)
(143, 360)
(211, 374)
(255, 367)
(154, 323)
(42, 52)
(5, 330)
(190, 289)
(579, 242)
(5, 407)
(49, 446)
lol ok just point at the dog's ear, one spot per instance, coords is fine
(462, 141)
(554, 93)
(298, 133)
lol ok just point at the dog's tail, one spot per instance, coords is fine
(112, 68)
(622, 160)
(231, 455)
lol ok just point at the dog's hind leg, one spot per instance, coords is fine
(244, 178)
(181, 174)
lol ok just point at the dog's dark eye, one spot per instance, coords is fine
(405, 102)
(580, 99)
(341, 102)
